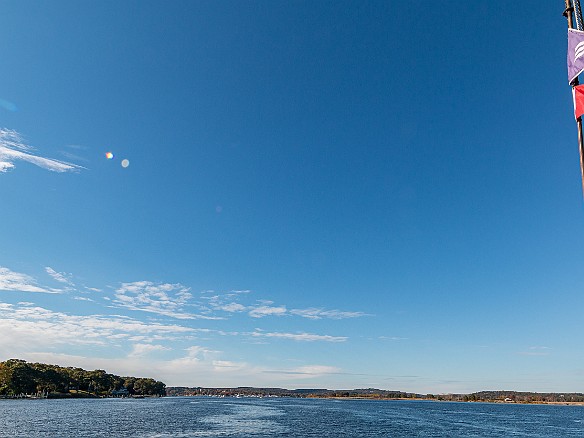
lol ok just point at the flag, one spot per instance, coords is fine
(575, 53)
(578, 94)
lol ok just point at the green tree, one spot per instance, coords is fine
(17, 377)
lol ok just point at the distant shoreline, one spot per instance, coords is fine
(501, 402)
(503, 397)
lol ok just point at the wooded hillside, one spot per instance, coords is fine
(20, 377)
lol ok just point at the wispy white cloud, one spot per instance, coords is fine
(35, 333)
(78, 298)
(13, 148)
(309, 371)
(145, 349)
(232, 307)
(306, 337)
(315, 313)
(160, 298)
(197, 366)
(536, 351)
(28, 327)
(16, 281)
(229, 303)
(205, 361)
(202, 361)
(74, 156)
(261, 311)
(61, 277)
(225, 302)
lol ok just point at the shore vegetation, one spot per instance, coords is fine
(19, 378)
(382, 394)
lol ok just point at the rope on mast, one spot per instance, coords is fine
(578, 15)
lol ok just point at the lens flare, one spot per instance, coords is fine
(109, 155)
(125, 162)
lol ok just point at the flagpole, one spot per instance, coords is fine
(568, 14)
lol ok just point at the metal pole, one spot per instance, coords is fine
(568, 14)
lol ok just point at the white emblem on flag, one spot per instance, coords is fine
(579, 51)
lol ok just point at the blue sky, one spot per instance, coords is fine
(319, 194)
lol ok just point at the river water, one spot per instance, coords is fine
(283, 417)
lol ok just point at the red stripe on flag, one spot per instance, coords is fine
(578, 93)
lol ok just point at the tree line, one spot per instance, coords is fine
(373, 393)
(281, 392)
(19, 377)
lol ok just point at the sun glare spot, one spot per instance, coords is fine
(109, 155)
(125, 162)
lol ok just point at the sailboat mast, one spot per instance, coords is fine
(573, 9)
